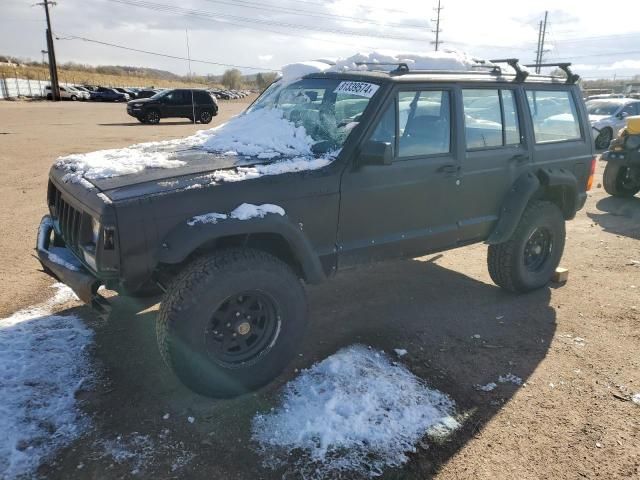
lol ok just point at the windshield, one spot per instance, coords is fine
(602, 108)
(327, 109)
(160, 94)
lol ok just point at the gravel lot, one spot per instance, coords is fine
(576, 346)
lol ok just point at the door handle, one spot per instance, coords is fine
(448, 169)
(519, 158)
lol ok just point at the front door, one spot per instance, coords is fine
(406, 208)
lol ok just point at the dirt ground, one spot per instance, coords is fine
(577, 346)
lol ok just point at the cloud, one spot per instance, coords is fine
(265, 58)
(628, 64)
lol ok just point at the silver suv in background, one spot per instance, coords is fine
(607, 117)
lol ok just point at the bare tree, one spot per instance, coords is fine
(232, 79)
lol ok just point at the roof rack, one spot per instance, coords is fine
(521, 75)
(564, 66)
(401, 66)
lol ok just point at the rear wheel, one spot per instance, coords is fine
(205, 116)
(74, 98)
(231, 322)
(618, 181)
(152, 117)
(528, 260)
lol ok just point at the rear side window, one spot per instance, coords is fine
(554, 116)
(490, 118)
(424, 123)
(201, 97)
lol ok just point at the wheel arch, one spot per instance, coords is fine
(273, 234)
(557, 185)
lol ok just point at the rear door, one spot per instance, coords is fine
(406, 208)
(560, 129)
(495, 155)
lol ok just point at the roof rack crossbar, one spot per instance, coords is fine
(564, 66)
(401, 66)
(521, 75)
(494, 68)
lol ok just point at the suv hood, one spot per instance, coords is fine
(141, 100)
(157, 180)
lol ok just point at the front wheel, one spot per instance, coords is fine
(528, 260)
(152, 117)
(618, 181)
(231, 322)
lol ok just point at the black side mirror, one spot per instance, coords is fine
(375, 153)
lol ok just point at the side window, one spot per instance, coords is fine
(482, 118)
(424, 123)
(511, 126)
(554, 116)
(386, 129)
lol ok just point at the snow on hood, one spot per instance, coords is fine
(263, 133)
(356, 412)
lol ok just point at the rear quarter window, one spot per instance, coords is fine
(554, 116)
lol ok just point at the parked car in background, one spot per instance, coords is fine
(82, 94)
(145, 93)
(85, 90)
(194, 104)
(607, 117)
(127, 91)
(66, 93)
(104, 94)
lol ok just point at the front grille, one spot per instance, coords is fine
(68, 219)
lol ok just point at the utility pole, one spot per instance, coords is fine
(541, 34)
(437, 30)
(538, 46)
(53, 68)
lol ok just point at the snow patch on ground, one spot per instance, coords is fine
(243, 212)
(487, 388)
(636, 398)
(140, 452)
(354, 412)
(44, 362)
(510, 378)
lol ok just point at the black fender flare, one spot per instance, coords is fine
(559, 185)
(184, 239)
(513, 205)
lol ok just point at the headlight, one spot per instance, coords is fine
(137, 104)
(95, 231)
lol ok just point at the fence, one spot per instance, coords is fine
(22, 87)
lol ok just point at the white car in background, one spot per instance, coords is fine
(607, 117)
(67, 93)
(82, 94)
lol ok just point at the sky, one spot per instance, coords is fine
(267, 34)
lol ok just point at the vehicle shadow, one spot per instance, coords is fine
(619, 215)
(459, 333)
(139, 124)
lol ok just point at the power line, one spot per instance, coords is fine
(216, 17)
(307, 13)
(165, 55)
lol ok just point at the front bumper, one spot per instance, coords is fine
(134, 112)
(61, 264)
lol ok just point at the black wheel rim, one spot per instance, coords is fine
(604, 139)
(153, 117)
(243, 328)
(205, 117)
(624, 180)
(537, 250)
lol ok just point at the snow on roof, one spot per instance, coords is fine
(356, 412)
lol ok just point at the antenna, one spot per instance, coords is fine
(193, 107)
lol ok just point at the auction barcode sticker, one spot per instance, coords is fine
(362, 89)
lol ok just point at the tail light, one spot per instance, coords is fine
(592, 173)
